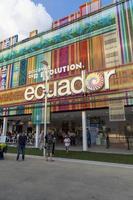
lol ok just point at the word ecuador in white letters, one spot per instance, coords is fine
(80, 84)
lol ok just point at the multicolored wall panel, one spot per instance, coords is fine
(38, 76)
(30, 69)
(125, 30)
(39, 68)
(112, 49)
(3, 77)
(23, 72)
(89, 52)
(15, 75)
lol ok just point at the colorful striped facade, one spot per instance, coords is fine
(99, 38)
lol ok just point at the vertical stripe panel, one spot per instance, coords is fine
(23, 72)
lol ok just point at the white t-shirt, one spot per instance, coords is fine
(67, 142)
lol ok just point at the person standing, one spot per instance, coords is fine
(49, 146)
(127, 130)
(54, 141)
(107, 140)
(1, 153)
(41, 140)
(67, 142)
(21, 145)
(88, 138)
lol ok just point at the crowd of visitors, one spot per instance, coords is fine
(72, 137)
(75, 137)
(12, 137)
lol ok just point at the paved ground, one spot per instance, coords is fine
(36, 179)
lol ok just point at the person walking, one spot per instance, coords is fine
(21, 145)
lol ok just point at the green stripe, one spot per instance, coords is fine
(128, 32)
(123, 21)
(39, 65)
(130, 14)
(23, 72)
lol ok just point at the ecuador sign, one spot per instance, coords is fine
(105, 82)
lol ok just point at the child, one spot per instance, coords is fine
(67, 142)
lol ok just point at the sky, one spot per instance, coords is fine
(23, 16)
(61, 8)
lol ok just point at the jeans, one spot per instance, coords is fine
(21, 150)
(1, 154)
